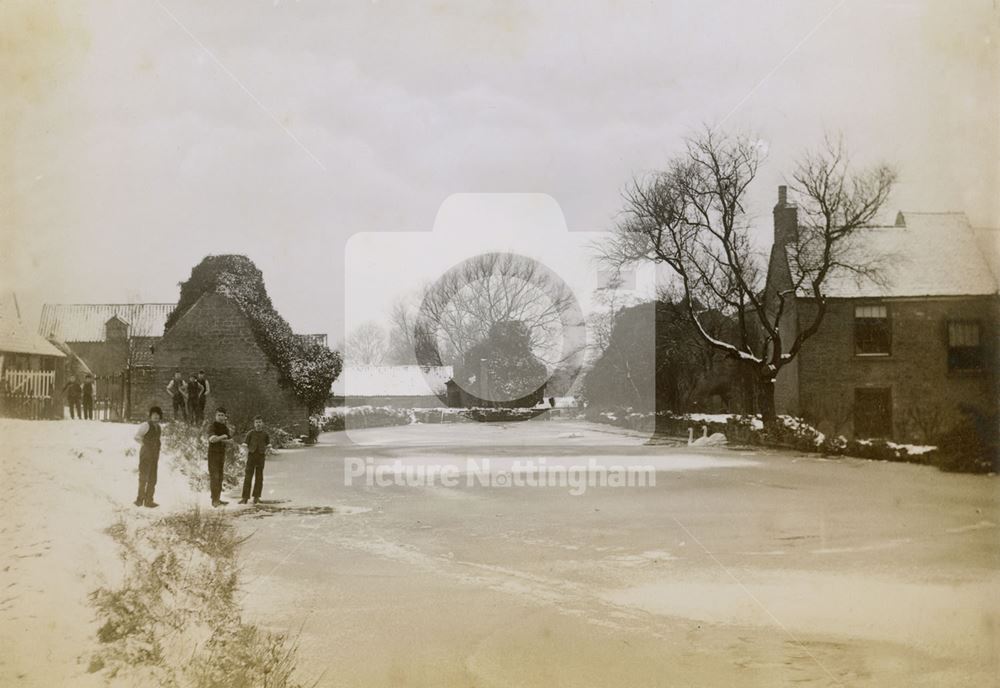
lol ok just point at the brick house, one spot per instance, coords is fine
(214, 335)
(898, 359)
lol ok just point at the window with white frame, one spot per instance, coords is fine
(872, 331)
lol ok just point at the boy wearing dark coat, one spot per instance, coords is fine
(257, 442)
(148, 437)
(89, 390)
(219, 437)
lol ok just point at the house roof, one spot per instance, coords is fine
(77, 364)
(924, 254)
(391, 381)
(989, 243)
(142, 354)
(84, 322)
(16, 337)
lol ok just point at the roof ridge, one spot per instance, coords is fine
(148, 303)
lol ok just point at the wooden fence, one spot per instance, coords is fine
(112, 397)
(27, 394)
(32, 394)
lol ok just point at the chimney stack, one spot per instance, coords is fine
(786, 220)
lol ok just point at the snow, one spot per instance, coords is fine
(64, 484)
(391, 381)
(709, 417)
(925, 254)
(912, 449)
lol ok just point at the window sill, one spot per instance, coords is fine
(872, 355)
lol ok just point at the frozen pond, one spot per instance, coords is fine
(736, 568)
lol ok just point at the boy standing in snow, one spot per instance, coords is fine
(257, 442)
(148, 437)
(219, 436)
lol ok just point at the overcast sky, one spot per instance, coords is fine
(138, 136)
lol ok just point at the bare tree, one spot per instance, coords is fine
(692, 217)
(407, 337)
(461, 307)
(366, 345)
(608, 302)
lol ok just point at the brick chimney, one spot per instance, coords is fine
(786, 219)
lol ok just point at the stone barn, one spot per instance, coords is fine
(216, 336)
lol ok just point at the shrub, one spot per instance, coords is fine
(281, 438)
(175, 619)
(794, 433)
(972, 445)
(188, 447)
(355, 417)
(501, 415)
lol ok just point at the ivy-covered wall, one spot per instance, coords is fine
(306, 369)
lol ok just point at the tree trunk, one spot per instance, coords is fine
(767, 408)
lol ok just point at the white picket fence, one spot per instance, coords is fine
(30, 384)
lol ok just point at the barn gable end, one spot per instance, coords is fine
(215, 336)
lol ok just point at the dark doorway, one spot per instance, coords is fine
(873, 412)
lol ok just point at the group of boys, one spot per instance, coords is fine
(220, 436)
(80, 397)
(189, 396)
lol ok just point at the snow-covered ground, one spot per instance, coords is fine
(63, 483)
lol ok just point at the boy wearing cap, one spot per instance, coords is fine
(148, 437)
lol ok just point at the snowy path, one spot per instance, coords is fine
(63, 482)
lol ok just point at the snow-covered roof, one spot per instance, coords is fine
(84, 322)
(989, 244)
(16, 337)
(925, 254)
(391, 381)
(76, 363)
